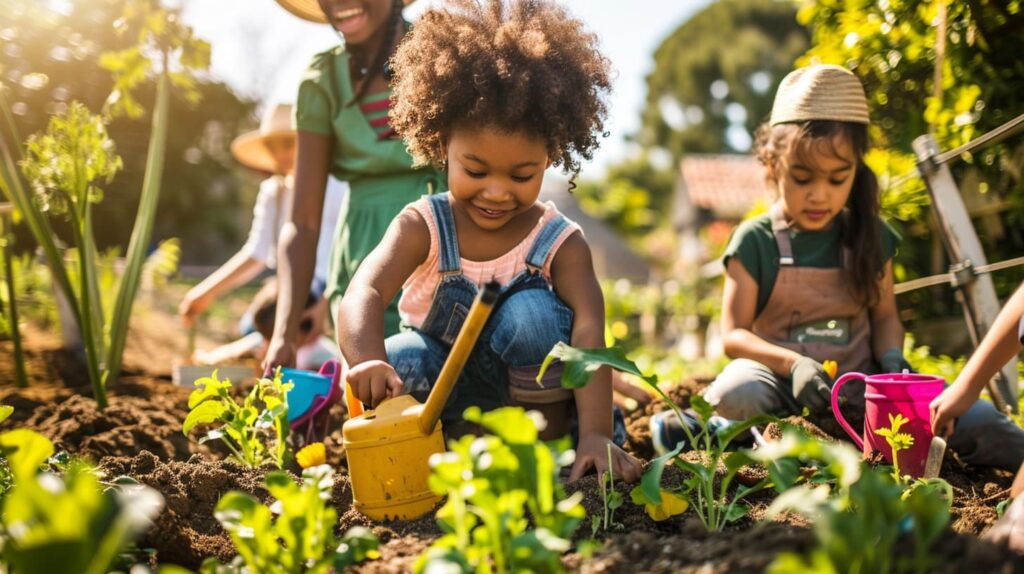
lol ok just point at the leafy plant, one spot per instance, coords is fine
(860, 514)
(491, 482)
(67, 523)
(255, 431)
(611, 499)
(300, 539)
(63, 167)
(65, 164)
(715, 504)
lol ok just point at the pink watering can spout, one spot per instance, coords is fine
(885, 396)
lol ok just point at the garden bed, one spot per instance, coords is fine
(139, 435)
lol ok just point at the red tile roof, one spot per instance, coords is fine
(723, 182)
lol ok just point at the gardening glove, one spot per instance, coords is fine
(812, 387)
(894, 362)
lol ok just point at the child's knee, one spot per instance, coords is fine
(528, 325)
(739, 400)
(416, 360)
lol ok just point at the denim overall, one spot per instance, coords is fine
(527, 321)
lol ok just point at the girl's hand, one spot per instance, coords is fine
(953, 402)
(373, 381)
(280, 353)
(193, 305)
(592, 452)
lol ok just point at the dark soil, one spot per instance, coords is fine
(139, 435)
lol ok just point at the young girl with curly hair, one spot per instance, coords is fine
(811, 279)
(496, 92)
(342, 118)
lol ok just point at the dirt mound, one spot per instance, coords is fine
(128, 426)
(186, 532)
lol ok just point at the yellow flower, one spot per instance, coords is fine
(313, 454)
(831, 368)
(620, 330)
(671, 505)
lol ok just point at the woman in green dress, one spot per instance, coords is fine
(343, 130)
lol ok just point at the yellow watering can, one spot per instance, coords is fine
(388, 448)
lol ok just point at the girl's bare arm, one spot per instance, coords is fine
(360, 320)
(739, 308)
(572, 273)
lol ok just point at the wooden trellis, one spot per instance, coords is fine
(969, 272)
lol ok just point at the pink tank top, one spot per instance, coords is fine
(418, 290)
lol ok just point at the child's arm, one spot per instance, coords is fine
(360, 320)
(1000, 344)
(572, 273)
(886, 327)
(238, 270)
(297, 246)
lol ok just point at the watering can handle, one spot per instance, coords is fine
(457, 357)
(839, 414)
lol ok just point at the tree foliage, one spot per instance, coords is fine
(714, 75)
(719, 69)
(51, 56)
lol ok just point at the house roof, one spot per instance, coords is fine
(727, 184)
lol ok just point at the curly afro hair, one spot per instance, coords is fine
(515, 65)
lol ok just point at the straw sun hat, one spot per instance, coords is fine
(310, 9)
(820, 92)
(250, 149)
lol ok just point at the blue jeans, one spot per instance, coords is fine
(521, 331)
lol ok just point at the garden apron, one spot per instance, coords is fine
(811, 311)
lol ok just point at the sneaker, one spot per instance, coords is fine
(667, 431)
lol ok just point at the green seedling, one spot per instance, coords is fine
(66, 523)
(255, 431)
(860, 514)
(492, 484)
(710, 496)
(611, 499)
(295, 534)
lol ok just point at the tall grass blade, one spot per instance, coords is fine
(136, 255)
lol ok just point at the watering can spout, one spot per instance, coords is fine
(463, 346)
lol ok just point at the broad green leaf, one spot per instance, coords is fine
(650, 482)
(586, 361)
(205, 413)
(206, 388)
(5, 411)
(25, 451)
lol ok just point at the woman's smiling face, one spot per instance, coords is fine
(357, 20)
(495, 175)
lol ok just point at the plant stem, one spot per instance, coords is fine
(85, 321)
(143, 224)
(19, 357)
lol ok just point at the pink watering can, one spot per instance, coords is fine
(888, 394)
